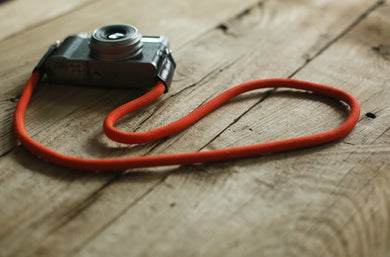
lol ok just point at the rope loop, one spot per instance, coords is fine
(182, 123)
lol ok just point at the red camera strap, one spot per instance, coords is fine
(191, 157)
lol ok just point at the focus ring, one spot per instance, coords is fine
(116, 42)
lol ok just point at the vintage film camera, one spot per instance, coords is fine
(113, 56)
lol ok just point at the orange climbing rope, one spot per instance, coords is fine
(191, 157)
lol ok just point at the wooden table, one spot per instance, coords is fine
(330, 200)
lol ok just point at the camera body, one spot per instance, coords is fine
(113, 56)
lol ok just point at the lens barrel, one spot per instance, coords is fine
(116, 42)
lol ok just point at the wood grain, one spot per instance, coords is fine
(180, 30)
(18, 16)
(325, 201)
(306, 203)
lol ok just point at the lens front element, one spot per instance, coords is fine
(116, 35)
(116, 42)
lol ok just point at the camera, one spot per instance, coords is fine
(113, 56)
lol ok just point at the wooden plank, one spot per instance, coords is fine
(218, 204)
(31, 190)
(17, 16)
(177, 23)
(327, 201)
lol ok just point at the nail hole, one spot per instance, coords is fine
(370, 115)
(383, 50)
(15, 99)
(223, 27)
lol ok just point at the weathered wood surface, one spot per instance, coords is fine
(330, 200)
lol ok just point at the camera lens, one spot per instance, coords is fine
(116, 42)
